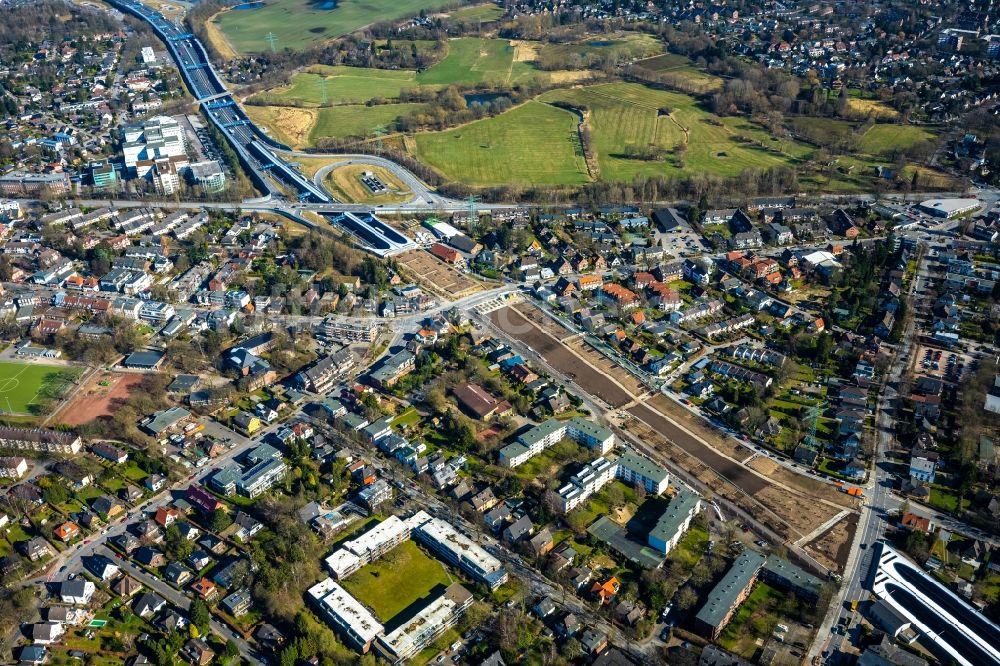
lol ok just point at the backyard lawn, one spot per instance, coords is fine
(403, 576)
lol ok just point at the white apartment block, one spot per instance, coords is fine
(544, 435)
(156, 138)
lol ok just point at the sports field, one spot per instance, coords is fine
(534, 143)
(299, 24)
(29, 388)
(404, 576)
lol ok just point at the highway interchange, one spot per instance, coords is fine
(265, 160)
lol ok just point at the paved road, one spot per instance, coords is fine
(70, 561)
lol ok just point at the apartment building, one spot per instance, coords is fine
(39, 439)
(544, 435)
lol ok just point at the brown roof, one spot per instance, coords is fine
(477, 400)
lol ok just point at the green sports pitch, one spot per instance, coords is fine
(29, 388)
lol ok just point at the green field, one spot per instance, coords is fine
(594, 52)
(299, 24)
(31, 388)
(880, 140)
(476, 13)
(469, 61)
(883, 140)
(537, 143)
(358, 120)
(344, 85)
(677, 71)
(473, 60)
(404, 576)
(533, 144)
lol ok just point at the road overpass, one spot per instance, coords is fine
(255, 149)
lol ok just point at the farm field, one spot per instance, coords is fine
(404, 576)
(469, 61)
(678, 72)
(299, 24)
(344, 85)
(534, 143)
(882, 139)
(472, 60)
(289, 125)
(879, 141)
(475, 13)
(29, 388)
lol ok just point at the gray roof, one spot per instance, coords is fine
(723, 596)
(643, 466)
(676, 513)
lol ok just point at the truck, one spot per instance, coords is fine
(853, 491)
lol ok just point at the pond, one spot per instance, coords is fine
(472, 99)
(249, 5)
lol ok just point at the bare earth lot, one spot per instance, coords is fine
(437, 275)
(788, 504)
(833, 546)
(95, 401)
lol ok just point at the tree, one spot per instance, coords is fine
(231, 651)
(56, 493)
(220, 520)
(199, 615)
(686, 598)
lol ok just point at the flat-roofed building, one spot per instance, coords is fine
(353, 622)
(674, 521)
(458, 549)
(373, 544)
(638, 470)
(433, 620)
(544, 435)
(348, 330)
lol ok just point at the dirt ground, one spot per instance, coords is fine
(789, 512)
(833, 546)
(547, 324)
(439, 277)
(94, 401)
(560, 357)
(345, 182)
(219, 41)
(782, 475)
(524, 51)
(291, 125)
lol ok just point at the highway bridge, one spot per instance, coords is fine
(949, 627)
(255, 149)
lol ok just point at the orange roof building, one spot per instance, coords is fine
(67, 531)
(606, 591)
